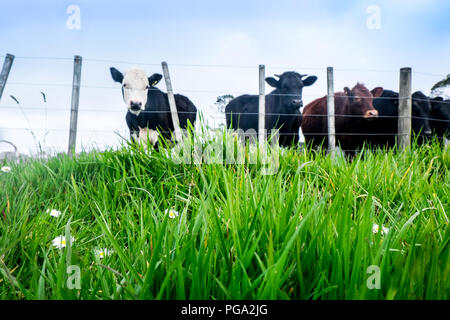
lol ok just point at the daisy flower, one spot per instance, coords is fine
(376, 228)
(6, 169)
(172, 213)
(101, 253)
(60, 242)
(54, 213)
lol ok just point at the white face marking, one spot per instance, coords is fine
(135, 85)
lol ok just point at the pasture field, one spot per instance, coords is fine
(212, 231)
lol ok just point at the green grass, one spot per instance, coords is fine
(302, 233)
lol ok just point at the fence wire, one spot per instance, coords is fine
(230, 66)
(124, 110)
(338, 95)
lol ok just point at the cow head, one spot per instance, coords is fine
(135, 86)
(361, 101)
(290, 86)
(421, 109)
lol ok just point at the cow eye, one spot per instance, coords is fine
(125, 85)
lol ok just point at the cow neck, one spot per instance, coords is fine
(275, 95)
(152, 96)
(340, 104)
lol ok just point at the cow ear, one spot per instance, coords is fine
(116, 75)
(154, 79)
(309, 81)
(377, 92)
(348, 93)
(273, 82)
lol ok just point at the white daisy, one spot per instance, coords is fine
(6, 169)
(54, 213)
(101, 253)
(60, 241)
(172, 213)
(376, 228)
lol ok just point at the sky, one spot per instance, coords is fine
(212, 48)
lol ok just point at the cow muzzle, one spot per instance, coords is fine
(135, 106)
(371, 114)
(297, 103)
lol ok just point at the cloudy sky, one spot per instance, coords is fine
(212, 47)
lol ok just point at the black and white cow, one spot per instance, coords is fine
(282, 108)
(148, 108)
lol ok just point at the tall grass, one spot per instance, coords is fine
(305, 232)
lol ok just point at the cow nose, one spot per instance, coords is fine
(427, 133)
(371, 114)
(297, 103)
(135, 105)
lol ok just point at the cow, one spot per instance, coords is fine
(353, 108)
(440, 118)
(148, 114)
(282, 107)
(383, 131)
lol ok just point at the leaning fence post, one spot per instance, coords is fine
(7, 64)
(74, 104)
(404, 109)
(261, 107)
(330, 112)
(172, 104)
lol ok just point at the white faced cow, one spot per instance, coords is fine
(148, 108)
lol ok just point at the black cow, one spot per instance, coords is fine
(148, 107)
(383, 131)
(440, 117)
(282, 108)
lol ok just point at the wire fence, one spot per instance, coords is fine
(230, 66)
(210, 113)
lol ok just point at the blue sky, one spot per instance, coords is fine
(306, 36)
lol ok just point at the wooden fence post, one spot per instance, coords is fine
(404, 109)
(173, 106)
(330, 112)
(7, 64)
(74, 105)
(261, 106)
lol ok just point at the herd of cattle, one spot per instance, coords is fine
(361, 116)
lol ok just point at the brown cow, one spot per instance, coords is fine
(352, 109)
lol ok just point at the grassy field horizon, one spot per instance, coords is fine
(146, 227)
